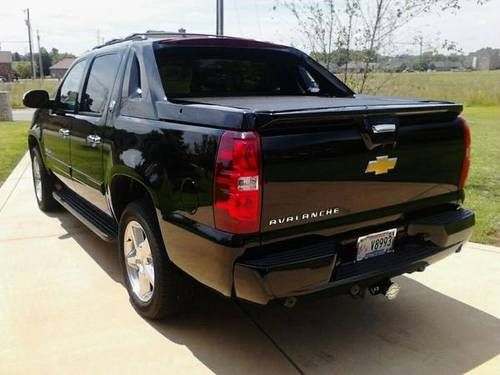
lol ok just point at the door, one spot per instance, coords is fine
(57, 127)
(87, 130)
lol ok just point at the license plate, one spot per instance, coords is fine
(375, 244)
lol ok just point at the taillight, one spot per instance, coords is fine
(237, 183)
(466, 163)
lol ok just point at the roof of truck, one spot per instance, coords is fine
(182, 38)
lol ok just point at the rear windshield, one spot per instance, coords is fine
(215, 71)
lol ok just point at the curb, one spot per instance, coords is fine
(480, 246)
(12, 181)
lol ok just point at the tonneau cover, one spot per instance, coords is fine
(276, 104)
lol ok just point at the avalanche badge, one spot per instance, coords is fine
(381, 165)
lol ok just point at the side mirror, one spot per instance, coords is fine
(36, 99)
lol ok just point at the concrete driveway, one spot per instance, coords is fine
(63, 309)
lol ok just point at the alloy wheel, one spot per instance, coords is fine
(139, 261)
(37, 178)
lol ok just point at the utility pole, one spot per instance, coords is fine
(40, 63)
(220, 18)
(28, 23)
(421, 44)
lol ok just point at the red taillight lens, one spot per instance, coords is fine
(237, 183)
(466, 162)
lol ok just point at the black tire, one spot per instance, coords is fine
(43, 190)
(172, 288)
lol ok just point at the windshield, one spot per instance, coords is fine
(210, 72)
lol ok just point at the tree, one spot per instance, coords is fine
(56, 56)
(22, 69)
(361, 25)
(46, 62)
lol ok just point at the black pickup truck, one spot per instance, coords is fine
(248, 167)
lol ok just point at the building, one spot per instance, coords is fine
(446, 65)
(59, 69)
(484, 59)
(6, 65)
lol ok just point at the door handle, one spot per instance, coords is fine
(64, 132)
(93, 139)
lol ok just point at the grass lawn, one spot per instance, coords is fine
(13, 145)
(17, 89)
(483, 186)
(480, 88)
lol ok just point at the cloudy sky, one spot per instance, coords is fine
(75, 26)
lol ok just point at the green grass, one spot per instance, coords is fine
(13, 145)
(483, 186)
(17, 89)
(480, 88)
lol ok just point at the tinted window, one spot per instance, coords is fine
(100, 83)
(69, 90)
(206, 71)
(134, 83)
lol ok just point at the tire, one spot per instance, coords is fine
(156, 287)
(42, 183)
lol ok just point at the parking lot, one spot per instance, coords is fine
(63, 309)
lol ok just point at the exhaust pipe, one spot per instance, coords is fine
(389, 289)
(289, 302)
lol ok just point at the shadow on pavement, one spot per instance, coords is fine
(423, 331)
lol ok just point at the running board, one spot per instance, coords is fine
(96, 220)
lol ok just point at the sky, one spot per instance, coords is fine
(75, 26)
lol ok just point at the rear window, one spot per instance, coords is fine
(215, 71)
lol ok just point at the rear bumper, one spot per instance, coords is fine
(262, 275)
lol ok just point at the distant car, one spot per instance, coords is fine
(249, 167)
(3, 79)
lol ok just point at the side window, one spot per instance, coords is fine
(134, 83)
(68, 95)
(100, 83)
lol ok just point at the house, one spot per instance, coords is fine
(356, 67)
(443, 66)
(484, 59)
(59, 69)
(6, 65)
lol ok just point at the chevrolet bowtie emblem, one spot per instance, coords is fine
(381, 165)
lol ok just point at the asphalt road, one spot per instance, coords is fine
(63, 309)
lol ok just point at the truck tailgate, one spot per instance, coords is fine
(318, 168)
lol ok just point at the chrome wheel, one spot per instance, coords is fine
(37, 178)
(139, 261)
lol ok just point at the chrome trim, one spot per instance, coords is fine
(64, 132)
(93, 140)
(383, 128)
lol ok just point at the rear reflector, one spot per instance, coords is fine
(467, 146)
(237, 183)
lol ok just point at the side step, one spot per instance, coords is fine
(96, 220)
